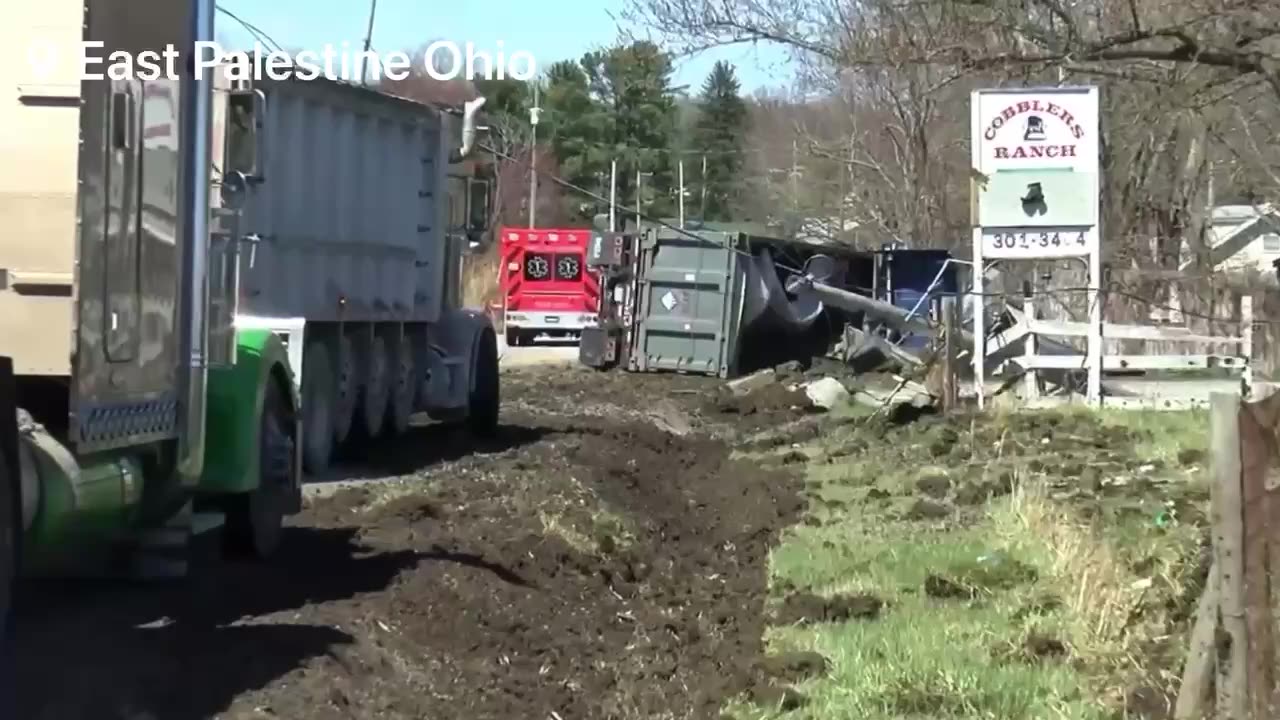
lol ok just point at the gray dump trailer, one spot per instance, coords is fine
(350, 243)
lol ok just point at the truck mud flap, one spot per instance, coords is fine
(598, 348)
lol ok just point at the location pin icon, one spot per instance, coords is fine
(43, 58)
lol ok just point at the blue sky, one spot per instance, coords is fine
(550, 30)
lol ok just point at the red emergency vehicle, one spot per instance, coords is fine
(546, 286)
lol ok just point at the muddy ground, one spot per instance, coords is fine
(603, 558)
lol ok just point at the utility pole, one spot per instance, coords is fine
(613, 196)
(703, 211)
(533, 155)
(639, 196)
(844, 192)
(681, 194)
(368, 39)
(795, 174)
(796, 221)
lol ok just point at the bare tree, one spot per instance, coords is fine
(1189, 88)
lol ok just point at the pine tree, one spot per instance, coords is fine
(573, 121)
(719, 133)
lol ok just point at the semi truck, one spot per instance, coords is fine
(205, 282)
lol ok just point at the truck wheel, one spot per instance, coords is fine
(317, 408)
(255, 522)
(373, 408)
(344, 395)
(403, 390)
(10, 530)
(484, 399)
(10, 552)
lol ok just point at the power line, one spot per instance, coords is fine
(1111, 288)
(254, 30)
(368, 38)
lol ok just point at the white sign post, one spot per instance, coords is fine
(1037, 188)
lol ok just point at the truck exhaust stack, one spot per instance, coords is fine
(192, 321)
(469, 110)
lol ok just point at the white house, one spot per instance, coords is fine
(1241, 238)
(1244, 237)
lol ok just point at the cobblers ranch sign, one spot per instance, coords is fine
(1037, 129)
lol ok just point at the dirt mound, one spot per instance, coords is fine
(771, 406)
(794, 666)
(598, 568)
(804, 608)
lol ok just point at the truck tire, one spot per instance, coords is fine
(484, 400)
(344, 390)
(318, 387)
(255, 521)
(374, 398)
(10, 537)
(403, 389)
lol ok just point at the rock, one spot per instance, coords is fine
(750, 383)
(825, 393)
(885, 392)
(789, 370)
(669, 418)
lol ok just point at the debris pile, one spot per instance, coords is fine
(826, 384)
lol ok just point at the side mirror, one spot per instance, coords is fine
(479, 209)
(245, 140)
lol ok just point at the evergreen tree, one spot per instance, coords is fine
(633, 85)
(719, 132)
(614, 104)
(574, 123)
(507, 98)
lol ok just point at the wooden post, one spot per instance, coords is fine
(1246, 344)
(1032, 379)
(1197, 675)
(1228, 545)
(1257, 453)
(950, 379)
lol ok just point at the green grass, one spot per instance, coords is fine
(1100, 570)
